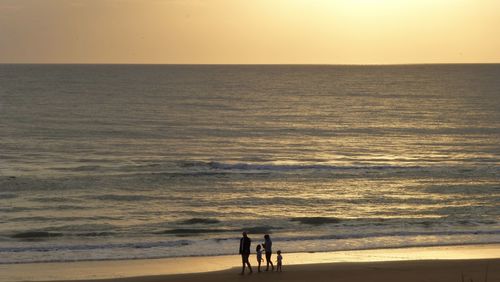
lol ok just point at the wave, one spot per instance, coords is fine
(44, 208)
(293, 167)
(16, 209)
(55, 200)
(81, 247)
(392, 234)
(194, 231)
(30, 235)
(60, 218)
(188, 174)
(459, 189)
(41, 235)
(125, 198)
(95, 234)
(66, 207)
(287, 242)
(311, 165)
(261, 229)
(75, 228)
(316, 220)
(380, 221)
(83, 168)
(199, 231)
(8, 196)
(438, 226)
(197, 220)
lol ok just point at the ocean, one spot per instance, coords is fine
(101, 162)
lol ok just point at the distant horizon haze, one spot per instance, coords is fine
(318, 32)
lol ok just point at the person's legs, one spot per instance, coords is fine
(268, 255)
(249, 267)
(247, 263)
(243, 261)
(269, 261)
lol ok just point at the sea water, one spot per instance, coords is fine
(144, 161)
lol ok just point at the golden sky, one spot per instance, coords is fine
(250, 31)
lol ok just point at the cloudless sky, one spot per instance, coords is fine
(250, 31)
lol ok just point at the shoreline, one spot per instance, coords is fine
(253, 253)
(167, 267)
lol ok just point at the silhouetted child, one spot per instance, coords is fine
(279, 261)
(258, 250)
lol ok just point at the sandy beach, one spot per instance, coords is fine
(442, 271)
(440, 263)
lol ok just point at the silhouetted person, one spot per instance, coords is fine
(258, 251)
(245, 243)
(268, 247)
(279, 261)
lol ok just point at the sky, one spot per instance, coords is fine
(250, 31)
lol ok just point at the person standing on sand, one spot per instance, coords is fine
(258, 250)
(245, 243)
(268, 247)
(279, 261)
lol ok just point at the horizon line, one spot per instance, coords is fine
(251, 64)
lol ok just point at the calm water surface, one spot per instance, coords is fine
(117, 161)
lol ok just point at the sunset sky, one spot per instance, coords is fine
(250, 31)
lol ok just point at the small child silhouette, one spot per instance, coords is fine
(258, 251)
(279, 260)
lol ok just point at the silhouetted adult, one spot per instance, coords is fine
(268, 247)
(245, 243)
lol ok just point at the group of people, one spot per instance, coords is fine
(246, 242)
